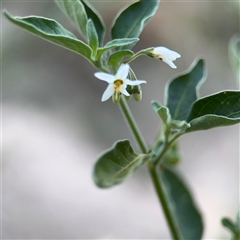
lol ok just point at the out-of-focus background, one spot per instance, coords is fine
(55, 126)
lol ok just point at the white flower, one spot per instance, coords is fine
(166, 55)
(117, 83)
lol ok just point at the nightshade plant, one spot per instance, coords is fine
(182, 112)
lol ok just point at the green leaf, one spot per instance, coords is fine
(182, 90)
(97, 20)
(228, 223)
(92, 36)
(117, 164)
(233, 227)
(116, 57)
(130, 22)
(116, 43)
(187, 216)
(156, 105)
(76, 13)
(79, 12)
(51, 31)
(164, 114)
(220, 109)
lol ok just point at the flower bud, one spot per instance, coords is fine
(137, 93)
(129, 90)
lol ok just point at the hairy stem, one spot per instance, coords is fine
(166, 205)
(132, 124)
(158, 185)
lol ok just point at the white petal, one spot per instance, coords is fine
(169, 62)
(134, 83)
(105, 77)
(164, 52)
(108, 93)
(123, 90)
(122, 71)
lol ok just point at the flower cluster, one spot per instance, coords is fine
(118, 83)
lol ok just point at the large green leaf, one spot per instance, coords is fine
(117, 164)
(220, 109)
(182, 90)
(51, 31)
(187, 216)
(79, 12)
(130, 22)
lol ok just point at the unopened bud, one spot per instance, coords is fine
(129, 90)
(137, 93)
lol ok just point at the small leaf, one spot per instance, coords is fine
(117, 164)
(156, 105)
(116, 43)
(116, 57)
(220, 109)
(92, 36)
(229, 224)
(51, 31)
(79, 12)
(182, 90)
(187, 216)
(97, 20)
(164, 114)
(130, 22)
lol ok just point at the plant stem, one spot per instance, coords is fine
(132, 124)
(158, 184)
(152, 167)
(142, 52)
(167, 144)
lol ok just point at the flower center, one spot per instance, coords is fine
(117, 85)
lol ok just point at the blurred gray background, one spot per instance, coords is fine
(55, 126)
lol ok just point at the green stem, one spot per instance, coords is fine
(142, 52)
(166, 146)
(132, 124)
(166, 205)
(158, 184)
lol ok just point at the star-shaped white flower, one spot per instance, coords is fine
(118, 82)
(166, 55)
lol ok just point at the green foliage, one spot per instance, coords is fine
(182, 90)
(220, 109)
(116, 43)
(130, 22)
(233, 227)
(186, 214)
(79, 12)
(92, 36)
(164, 114)
(116, 58)
(117, 164)
(51, 31)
